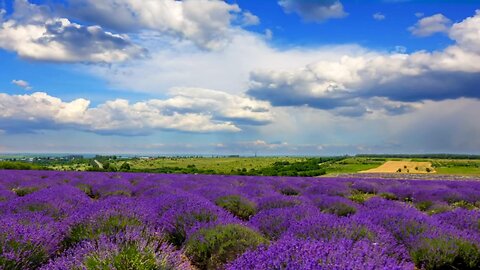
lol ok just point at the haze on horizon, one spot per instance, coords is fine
(295, 77)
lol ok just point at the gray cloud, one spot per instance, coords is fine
(207, 23)
(33, 34)
(393, 83)
(314, 10)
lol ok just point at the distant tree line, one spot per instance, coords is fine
(309, 167)
(17, 165)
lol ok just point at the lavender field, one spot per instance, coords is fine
(79, 220)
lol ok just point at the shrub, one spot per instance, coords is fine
(360, 197)
(103, 226)
(464, 205)
(289, 191)
(274, 223)
(88, 190)
(133, 250)
(424, 205)
(293, 253)
(23, 191)
(389, 196)
(446, 253)
(125, 167)
(178, 234)
(213, 247)
(26, 255)
(340, 209)
(277, 202)
(127, 257)
(238, 206)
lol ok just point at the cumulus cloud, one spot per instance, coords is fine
(189, 110)
(346, 80)
(400, 80)
(23, 84)
(33, 34)
(379, 16)
(428, 26)
(250, 19)
(315, 11)
(228, 69)
(205, 22)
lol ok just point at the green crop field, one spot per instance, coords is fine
(285, 166)
(352, 165)
(221, 165)
(462, 167)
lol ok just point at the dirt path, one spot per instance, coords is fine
(100, 165)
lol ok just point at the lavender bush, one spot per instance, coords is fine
(85, 220)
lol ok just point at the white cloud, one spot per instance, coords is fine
(23, 84)
(379, 16)
(250, 19)
(467, 33)
(419, 14)
(316, 11)
(346, 80)
(173, 63)
(205, 22)
(33, 35)
(268, 34)
(352, 83)
(190, 110)
(428, 26)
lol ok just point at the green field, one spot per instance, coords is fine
(283, 166)
(221, 165)
(461, 167)
(352, 165)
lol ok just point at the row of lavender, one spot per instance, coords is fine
(79, 220)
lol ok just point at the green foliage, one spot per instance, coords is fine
(178, 235)
(15, 165)
(443, 253)
(120, 192)
(463, 204)
(212, 248)
(360, 197)
(130, 257)
(125, 167)
(340, 209)
(290, 191)
(37, 255)
(389, 196)
(309, 167)
(106, 226)
(88, 190)
(424, 205)
(23, 191)
(237, 205)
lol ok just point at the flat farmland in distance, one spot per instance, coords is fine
(397, 166)
(221, 165)
(457, 167)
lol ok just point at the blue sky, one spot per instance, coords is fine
(297, 77)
